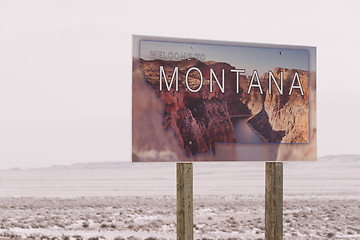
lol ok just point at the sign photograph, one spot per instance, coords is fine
(196, 100)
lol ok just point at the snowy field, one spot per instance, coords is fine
(137, 201)
(215, 217)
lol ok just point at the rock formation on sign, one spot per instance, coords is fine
(203, 118)
(200, 120)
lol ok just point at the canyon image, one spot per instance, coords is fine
(208, 116)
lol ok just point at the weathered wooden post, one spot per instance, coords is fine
(274, 201)
(184, 187)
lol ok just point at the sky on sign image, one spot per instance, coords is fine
(264, 59)
(65, 68)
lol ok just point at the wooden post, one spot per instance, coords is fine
(184, 215)
(274, 201)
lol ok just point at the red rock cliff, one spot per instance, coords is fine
(202, 119)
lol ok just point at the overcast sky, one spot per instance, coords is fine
(65, 68)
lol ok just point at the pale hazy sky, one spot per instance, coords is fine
(65, 68)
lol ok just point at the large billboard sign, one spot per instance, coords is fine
(197, 100)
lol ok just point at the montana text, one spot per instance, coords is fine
(254, 83)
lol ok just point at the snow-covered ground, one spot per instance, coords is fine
(137, 201)
(215, 217)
